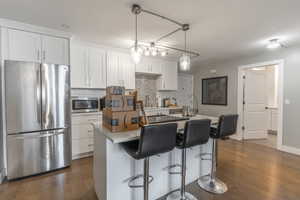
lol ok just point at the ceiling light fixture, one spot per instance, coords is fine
(274, 44)
(153, 49)
(136, 51)
(185, 60)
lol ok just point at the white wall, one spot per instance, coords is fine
(291, 112)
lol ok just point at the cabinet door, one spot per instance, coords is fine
(114, 75)
(168, 80)
(23, 46)
(78, 66)
(127, 70)
(142, 67)
(55, 50)
(97, 67)
(155, 66)
(171, 75)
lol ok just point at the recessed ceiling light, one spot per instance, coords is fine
(274, 44)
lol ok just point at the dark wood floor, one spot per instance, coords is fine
(251, 171)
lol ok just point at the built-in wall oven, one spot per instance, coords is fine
(85, 104)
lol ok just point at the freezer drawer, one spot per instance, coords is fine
(34, 153)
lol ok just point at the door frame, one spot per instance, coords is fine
(241, 69)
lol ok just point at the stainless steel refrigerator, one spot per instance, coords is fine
(37, 109)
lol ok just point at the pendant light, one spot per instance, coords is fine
(136, 51)
(185, 59)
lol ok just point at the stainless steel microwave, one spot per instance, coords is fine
(85, 104)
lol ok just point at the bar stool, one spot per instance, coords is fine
(196, 132)
(226, 127)
(154, 140)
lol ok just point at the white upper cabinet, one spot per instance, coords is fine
(97, 67)
(23, 46)
(169, 78)
(79, 72)
(88, 66)
(33, 47)
(55, 50)
(149, 66)
(120, 70)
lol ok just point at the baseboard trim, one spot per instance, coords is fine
(236, 137)
(288, 149)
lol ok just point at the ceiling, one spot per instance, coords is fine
(219, 29)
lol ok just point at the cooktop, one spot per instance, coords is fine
(164, 118)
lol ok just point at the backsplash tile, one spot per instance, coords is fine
(146, 85)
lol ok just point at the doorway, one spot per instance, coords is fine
(260, 103)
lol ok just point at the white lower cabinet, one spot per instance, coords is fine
(83, 134)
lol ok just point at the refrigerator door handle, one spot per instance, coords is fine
(48, 134)
(38, 96)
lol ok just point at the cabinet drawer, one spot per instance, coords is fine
(80, 146)
(86, 119)
(82, 131)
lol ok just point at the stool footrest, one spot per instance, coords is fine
(172, 167)
(134, 178)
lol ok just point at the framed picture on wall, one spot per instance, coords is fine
(214, 91)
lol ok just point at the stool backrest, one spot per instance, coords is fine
(227, 125)
(196, 132)
(156, 139)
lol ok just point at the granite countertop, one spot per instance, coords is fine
(127, 136)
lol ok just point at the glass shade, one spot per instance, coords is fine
(185, 63)
(136, 54)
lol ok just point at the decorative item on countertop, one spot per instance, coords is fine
(143, 117)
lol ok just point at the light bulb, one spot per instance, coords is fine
(136, 54)
(163, 53)
(147, 52)
(185, 63)
(154, 52)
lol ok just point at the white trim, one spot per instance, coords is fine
(288, 149)
(241, 69)
(236, 136)
(33, 28)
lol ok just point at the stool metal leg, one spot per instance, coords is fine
(146, 178)
(182, 194)
(211, 183)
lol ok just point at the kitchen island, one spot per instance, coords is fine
(113, 167)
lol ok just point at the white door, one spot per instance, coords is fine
(24, 46)
(255, 112)
(55, 50)
(97, 67)
(79, 66)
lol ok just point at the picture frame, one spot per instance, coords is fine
(215, 91)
